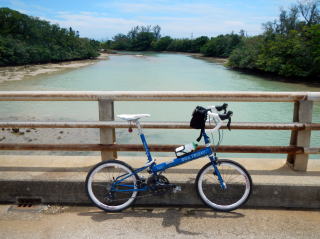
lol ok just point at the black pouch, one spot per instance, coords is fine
(199, 117)
(198, 120)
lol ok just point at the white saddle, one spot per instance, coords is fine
(132, 117)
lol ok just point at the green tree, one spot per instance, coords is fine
(198, 43)
(221, 46)
(25, 39)
(120, 42)
(161, 44)
(290, 46)
(246, 54)
(180, 45)
(139, 38)
(142, 41)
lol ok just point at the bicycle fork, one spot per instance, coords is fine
(214, 162)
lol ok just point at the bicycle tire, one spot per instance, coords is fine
(237, 192)
(102, 176)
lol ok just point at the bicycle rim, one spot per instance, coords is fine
(238, 183)
(104, 192)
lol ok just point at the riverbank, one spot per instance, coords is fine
(13, 73)
(218, 60)
(200, 56)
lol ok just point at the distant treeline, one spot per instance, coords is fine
(289, 46)
(147, 38)
(25, 40)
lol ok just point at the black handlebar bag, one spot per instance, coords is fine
(198, 120)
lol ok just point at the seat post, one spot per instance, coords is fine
(140, 131)
(145, 144)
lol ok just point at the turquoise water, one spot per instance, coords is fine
(161, 72)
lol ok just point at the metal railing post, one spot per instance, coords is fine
(303, 114)
(107, 136)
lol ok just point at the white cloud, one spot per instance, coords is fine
(93, 25)
(176, 18)
(98, 26)
(182, 19)
(211, 28)
(194, 8)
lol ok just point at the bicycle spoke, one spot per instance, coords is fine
(103, 189)
(237, 190)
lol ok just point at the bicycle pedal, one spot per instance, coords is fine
(176, 189)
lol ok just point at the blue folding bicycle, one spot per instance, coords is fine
(221, 184)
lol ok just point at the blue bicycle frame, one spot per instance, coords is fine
(156, 168)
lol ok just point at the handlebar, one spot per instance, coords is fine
(226, 115)
(219, 117)
(217, 108)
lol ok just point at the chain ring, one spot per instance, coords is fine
(155, 182)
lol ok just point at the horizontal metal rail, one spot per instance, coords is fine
(159, 125)
(240, 96)
(154, 147)
(300, 128)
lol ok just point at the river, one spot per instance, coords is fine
(155, 71)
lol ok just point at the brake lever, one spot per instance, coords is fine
(229, 124)
(225, 106)
(230, 113)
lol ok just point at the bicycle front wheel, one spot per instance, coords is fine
(238, 185)
(112, 185)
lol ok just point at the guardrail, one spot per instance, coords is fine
(297, 151)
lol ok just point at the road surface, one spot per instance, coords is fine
(88, 222)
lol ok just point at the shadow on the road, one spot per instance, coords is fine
(170, 216)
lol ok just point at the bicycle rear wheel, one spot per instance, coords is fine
(238, 185)
(111, 185)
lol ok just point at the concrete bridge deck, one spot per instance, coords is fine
(60, 180)
(165, 222)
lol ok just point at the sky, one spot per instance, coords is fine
(101, 20)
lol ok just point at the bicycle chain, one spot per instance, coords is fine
(149, 194)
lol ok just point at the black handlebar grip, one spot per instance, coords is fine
(222, 107)
(227, 116)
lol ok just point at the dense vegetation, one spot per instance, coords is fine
(288, 47)
(147, 38)
(25, 39)
(222, 45)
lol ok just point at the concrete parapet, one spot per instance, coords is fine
(60, 180)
